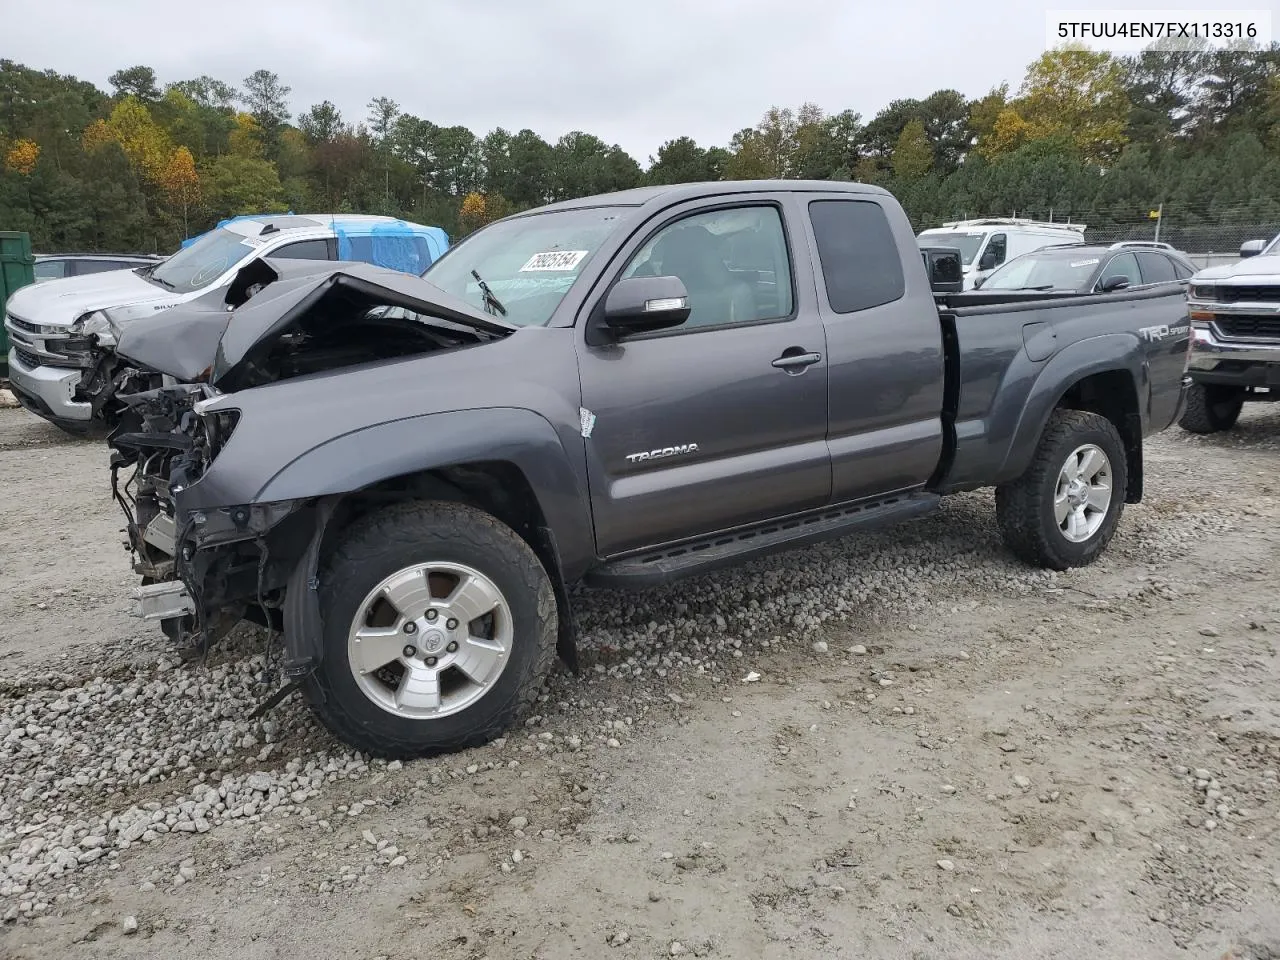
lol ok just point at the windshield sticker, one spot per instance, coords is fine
(1084, 263)
(554, 260)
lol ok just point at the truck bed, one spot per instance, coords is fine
(1011, 357)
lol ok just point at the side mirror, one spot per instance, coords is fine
(988, 259)
(977, 284)
(642, 304)
(1251, 248)
(946, 272)
(1114, 282)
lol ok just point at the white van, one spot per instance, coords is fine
(987, 243)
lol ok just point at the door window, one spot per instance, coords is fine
(1124, 265)
(304, 250)
(733, 263)
(997, 250)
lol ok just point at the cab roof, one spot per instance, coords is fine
(667, 194)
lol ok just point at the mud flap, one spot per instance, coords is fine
(302, 623)
(567, 636)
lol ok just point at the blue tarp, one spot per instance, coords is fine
(396, 245)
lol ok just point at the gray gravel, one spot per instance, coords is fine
(101, 757)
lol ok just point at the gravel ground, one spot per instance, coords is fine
(904, 745)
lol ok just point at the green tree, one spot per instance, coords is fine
(383, 112)
(235, 185)
(682, 161)
(136, 82)
(913, 153)
(322, 123)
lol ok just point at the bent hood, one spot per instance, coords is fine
(225, 331)
(59, 303)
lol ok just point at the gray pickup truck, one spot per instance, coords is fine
(406, 475)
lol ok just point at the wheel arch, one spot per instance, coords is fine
(530, 486)
(1104, 375)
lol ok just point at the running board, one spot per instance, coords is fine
(654, 567)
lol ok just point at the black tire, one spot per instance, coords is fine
(1024, 508)
(1211, 408)
(400, 536)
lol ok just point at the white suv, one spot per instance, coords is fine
(58, 329)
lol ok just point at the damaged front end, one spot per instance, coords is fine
(211, 552)
(203, 569)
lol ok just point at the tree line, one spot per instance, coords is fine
(1085, 136)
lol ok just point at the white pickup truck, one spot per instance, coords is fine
(1235, 348)
(62, 332)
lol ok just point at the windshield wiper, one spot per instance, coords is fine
(160, 280)
(1047, 286)
(491, 303)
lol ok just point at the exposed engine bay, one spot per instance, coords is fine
(206, 565)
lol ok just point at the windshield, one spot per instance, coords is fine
(966, 243)
(1067, 270)
(528, 263)
(1273, 246)
(203, 262)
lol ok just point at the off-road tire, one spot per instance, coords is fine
(401, 535)
(1024, 508)
(1211, 408)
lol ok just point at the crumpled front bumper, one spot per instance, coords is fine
(49, 392)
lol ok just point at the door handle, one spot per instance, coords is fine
(795, 360)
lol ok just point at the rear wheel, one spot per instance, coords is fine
(1211, 408)
(439, 630)
(1064, 510)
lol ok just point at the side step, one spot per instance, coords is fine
(690, 557)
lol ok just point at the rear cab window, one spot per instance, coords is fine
(861, 266)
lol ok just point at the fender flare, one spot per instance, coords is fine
(1109, 353)
(356, 460)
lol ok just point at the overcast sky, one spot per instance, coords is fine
(633, 72)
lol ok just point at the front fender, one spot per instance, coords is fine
(364, 457)
(1104, 354)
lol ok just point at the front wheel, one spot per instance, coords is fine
(1211, 408)
(439, 630)
(1064, 510)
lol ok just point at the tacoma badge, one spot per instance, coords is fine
(663, 452)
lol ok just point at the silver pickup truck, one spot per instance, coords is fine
(1235, 349)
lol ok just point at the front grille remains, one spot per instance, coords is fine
(26, 358)
(22, 325)
(1248, 326)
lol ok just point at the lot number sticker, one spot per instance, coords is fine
(554, 260)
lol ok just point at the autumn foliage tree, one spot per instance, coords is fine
(150, 160)
(22, 156)
(181, 183)
(1074, 95)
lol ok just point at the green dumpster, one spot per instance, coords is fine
(17, 269)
